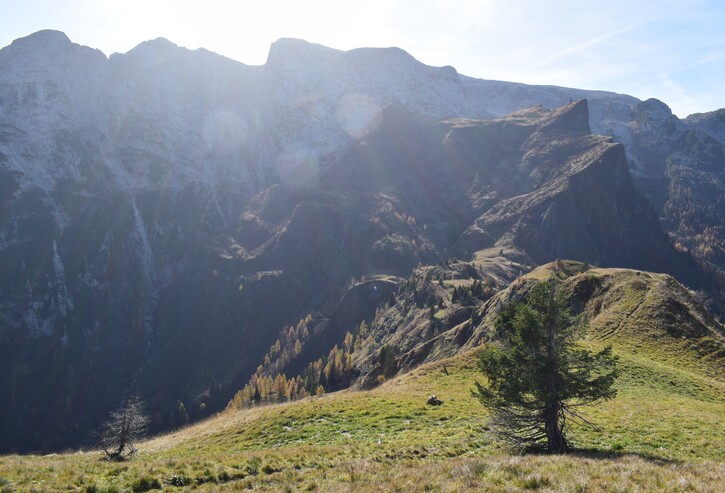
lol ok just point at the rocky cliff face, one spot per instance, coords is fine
(164, 212)
(581, 202)
(711, 123)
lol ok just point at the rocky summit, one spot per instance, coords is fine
(166, 214)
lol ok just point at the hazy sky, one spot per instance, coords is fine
(673, 50)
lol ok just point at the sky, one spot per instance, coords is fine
(672, 50)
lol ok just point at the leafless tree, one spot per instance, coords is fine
(124, 427)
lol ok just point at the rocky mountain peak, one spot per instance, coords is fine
(712, 123)
(47, 39)
(50, 53)
(654, 105)
(153, 51)
(382, 56)
(572, 118)
(715, 116)
(158, 44)
(653, 113)
(295, 52)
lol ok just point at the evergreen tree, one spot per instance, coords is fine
(348, 341)
(538, 376)
(455, 295)
(182, 415)
(363, 330)
(322, 381)
(386, 361)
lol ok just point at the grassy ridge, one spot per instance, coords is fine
(664, 432)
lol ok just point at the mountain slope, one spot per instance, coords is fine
(649, 315)
(634, 308)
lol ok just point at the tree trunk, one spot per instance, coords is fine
(556, 441)
(554, 435)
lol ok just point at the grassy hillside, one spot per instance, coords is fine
(664, 432)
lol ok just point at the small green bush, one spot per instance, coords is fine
(145, 483)
(535, 481)
(253, 466)
(177, 480)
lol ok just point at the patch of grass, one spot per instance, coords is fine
(457, 283)
(145, 483)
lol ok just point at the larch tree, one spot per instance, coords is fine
(125, 426)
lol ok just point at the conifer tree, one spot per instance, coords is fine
(538, 376)
(123, 428)
(386, 361)
(181, 414)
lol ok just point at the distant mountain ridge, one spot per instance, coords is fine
(164, 213)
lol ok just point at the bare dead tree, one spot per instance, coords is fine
(124, 427)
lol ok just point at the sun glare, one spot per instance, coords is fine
(243, 30)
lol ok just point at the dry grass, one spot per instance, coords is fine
(582, 472)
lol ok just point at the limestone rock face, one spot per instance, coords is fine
(585, 208)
